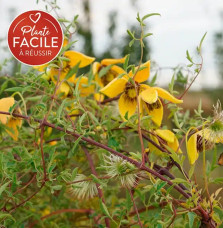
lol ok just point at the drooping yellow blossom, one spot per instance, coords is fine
(74, 58)
(198, 142)
(63, 90)
(149, 96)
(164, 137)
(112, 73)
(12, 123)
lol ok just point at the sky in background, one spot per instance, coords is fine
(180, 27)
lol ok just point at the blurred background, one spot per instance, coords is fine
(102, 33)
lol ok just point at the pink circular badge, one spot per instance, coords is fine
(35, 37)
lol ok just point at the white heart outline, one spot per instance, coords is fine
(35, 21)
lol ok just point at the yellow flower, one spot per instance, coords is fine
(196, 142)
(65, 42)
(166, 137)
(10, 122)
(63, 90)
(111, 74)
(74, 58)
(149, 96)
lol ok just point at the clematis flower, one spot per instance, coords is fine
(166, 137)
(74, 58)
(209, 136)
(149, 96)
(111, 74)
(196, 142)
(12, 123)
(63, 90)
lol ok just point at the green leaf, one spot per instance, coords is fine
(74, 173)
(150, 15)
(104, 71)
(131, 34)
(62, 20)
(18, 89)
(202, 39)
(121, 75)
(191, 171)
(72, 71)
(3, 86)
(131, 43)
(105, 210)
(125, 65)
(113, 143)
(4, 216)
(188, 57)
(147, 34)
(3, 187)
(179, 180)
(191, 217)
(171, 84)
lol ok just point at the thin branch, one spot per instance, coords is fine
(42, 153)
(110, 99)
(135, 207)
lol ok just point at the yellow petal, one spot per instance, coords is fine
(175, 145)
(166, 95)
(143, 74)
(74, 113)
(192, 149)
(13, 124)
(65, 42)
(46, 76)
(76, 57)
(126, 105)
(156, 114)
(5, 104)
(153, 148)
(63, 89)
(149, 95)
(12, 131)
(96, 67)
(167, 135)
(107, 62)
(115, 87)
(118, 70)
(99, 97)
(85, 90)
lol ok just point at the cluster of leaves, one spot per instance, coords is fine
(78, 162)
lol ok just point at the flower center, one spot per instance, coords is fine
(207, 144)
(155, 105)
(108, 77)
